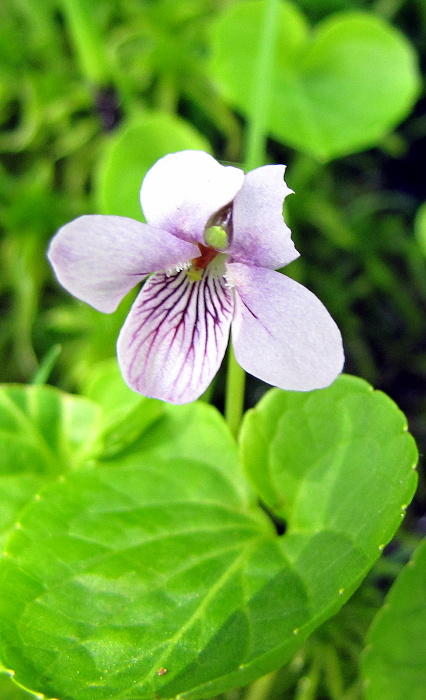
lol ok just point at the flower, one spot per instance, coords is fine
(211, 246)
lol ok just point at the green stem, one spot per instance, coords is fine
(235, 385)
(308, 685)
(262, 83)
(255, 156)
(87, 42)
(42, 374)
(388, 8)
(333, 672)
(166, 95)
(261, 689)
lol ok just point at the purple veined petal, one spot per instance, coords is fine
(99, 259)
(175, 336)
(281, 332)
(183, 190)
(260, 236)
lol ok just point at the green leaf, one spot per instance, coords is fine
(156, 573)
(394, 664)
(337, 465)
(195, 431)
(326, 458)
(126, 414)
(43, 433)
(131, 151)
(335, 91)
(119, 572)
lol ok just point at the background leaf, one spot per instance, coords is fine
(336, 91)
(394, 665)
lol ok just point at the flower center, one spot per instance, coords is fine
(216, 239)
(199, 264)
(207, 255)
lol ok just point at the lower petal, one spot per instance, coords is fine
(281, 332)
(175, 336)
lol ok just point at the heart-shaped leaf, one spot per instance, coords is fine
(131, 151)
(310, 456)
(338, 90)
(157, 574)
(394, 665)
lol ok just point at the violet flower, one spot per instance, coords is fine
(214, 240)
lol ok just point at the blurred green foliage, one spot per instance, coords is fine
(77, 77)
(72, 75)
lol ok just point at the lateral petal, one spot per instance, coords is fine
(100, 258)
(175, 336)
(260, 236)
(281, 332)
(183, 190)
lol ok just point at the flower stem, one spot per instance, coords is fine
(87, 42)
(255, 156)
(261, 689)
(235, 385)
(262, 82)
(41, 375)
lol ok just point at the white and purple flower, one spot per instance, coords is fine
(213, 241)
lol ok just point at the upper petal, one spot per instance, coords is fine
(100, 258)
(260, 236)
(183, 190)
(175, 336)
(281, 332)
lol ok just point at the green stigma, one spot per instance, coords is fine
(216, 237)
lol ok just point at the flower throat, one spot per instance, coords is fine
(217, 234)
